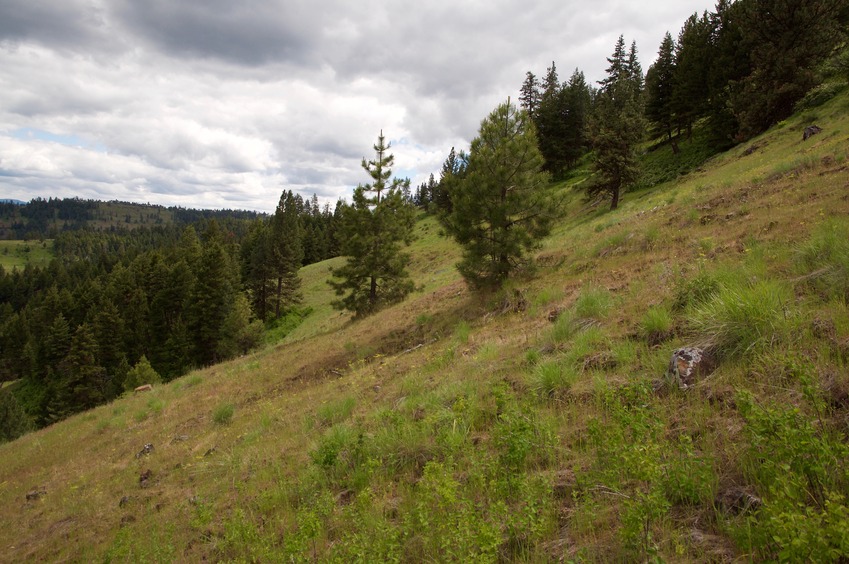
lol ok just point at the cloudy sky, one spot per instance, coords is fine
(224, 103)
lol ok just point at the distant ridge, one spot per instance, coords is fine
(11, 201)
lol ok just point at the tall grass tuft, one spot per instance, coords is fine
(552, 379)
(656, 325)
(591, 307)
(744, 318)
(223, 414)
(824, 260)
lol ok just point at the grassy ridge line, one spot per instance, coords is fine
(337, 376)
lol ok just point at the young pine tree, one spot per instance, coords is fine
(502, 206)
(371, 233)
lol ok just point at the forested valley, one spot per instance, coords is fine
(119, 307)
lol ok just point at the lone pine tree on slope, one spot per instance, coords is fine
(502, 206)
(372, 231)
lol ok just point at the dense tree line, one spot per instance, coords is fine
(735, 70)
(115, 307)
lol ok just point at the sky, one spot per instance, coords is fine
(225, 104)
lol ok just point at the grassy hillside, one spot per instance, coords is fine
(531, 425)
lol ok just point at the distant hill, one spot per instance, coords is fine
(44, 219)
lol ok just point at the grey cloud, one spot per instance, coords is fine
(221, 102)
(65, 24)
(252, 32)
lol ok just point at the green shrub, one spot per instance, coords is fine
(223, 414)
(819, 95)
(140, 374)
(445, 525)
(696, 291)
(802, 482)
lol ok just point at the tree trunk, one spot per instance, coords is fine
(279, 292)
(372, 295)
(614, 202)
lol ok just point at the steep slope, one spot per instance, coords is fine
(530, 425)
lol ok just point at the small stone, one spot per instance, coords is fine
(146, 450)
(35, 495)
(144, 478)
(810, 131)
(124, 501)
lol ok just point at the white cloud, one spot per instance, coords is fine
(211, 104)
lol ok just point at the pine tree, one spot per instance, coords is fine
(212, 296)
(618, 69)
(287, 252)
(660, 88)
(502, 207)
(80, 383)
(691, 73)
(14, 421)
(634, 70)
(789, 39)
(529, 94)
(577, 103)
(550, 122)
(238, 333)
(372, 230)
(452, 170)
(616, 127)
(257, 269)
(140, 374)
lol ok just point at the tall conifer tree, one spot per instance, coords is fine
(616, 126)
(371, 233)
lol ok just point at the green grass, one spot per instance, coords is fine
(17, 254)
